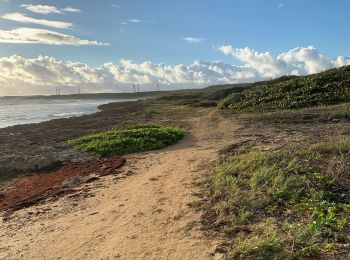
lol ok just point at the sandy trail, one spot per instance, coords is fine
(145, 215)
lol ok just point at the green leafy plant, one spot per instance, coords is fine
(131, 140)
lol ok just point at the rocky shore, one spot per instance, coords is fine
(41, 147)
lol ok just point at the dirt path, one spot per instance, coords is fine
(146, 215)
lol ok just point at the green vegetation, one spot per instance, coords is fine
(326, 88)
(219, 92)
(311, 116)
(182, 95)
(285, 204)
(230, 99)
(131, 140)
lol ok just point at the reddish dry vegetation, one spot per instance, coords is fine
(29, 190)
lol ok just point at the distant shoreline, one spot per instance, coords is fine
(136, 95)
(53, 111)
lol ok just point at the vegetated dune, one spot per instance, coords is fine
(327, 88)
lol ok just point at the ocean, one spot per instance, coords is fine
(18, 111)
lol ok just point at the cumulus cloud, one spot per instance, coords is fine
(30, 74)
(298, 61)
(341, 61)
(192, 40)
(42, 9)
(22, 18)
(17, 72)
(45, 70)
(41, 36)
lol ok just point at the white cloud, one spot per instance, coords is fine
(22, 18)
(52, 71)
(341, 61)
(133, 21)
(193, 39)
(49, 9)
(30, 35)
(298, 61)
(29, 75)
(306, 60)
(42, 9)
(71, 10)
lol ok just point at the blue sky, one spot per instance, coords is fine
(260, 24)
(156, 30)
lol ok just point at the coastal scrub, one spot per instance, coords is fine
(285, 204)
(326, 88)
(131, 140)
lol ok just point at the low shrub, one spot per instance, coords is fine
(207, 103)
(230, 99)
(131, 140)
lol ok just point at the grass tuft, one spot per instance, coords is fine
(130, 140)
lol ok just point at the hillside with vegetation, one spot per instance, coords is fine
(325, 88)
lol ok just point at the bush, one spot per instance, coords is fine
(207, 103)
(130, 140)
(230, 99)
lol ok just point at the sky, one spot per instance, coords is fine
(108, 45)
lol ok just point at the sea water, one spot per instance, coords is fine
(17, 111)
